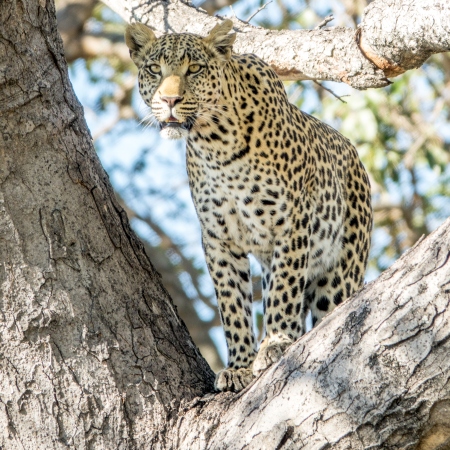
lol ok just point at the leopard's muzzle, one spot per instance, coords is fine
(175, 130)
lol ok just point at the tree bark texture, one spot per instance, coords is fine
(394, 36)
(93, 355)
(375, 374)
(399, 35)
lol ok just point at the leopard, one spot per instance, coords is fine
(266, 180)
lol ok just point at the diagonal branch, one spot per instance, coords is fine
(324, 22)
(374, 374)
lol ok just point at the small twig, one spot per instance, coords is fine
(232, 10)
(331, 92)
(256, 12)
(324, 22)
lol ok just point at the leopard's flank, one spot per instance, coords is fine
(266, 179)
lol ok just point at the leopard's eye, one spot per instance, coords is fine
(195, 68)
(154, 69)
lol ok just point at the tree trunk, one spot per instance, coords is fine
(394, 36)
(93, 354)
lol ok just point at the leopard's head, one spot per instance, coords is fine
(179, 74)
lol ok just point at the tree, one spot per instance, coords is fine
(93, 353)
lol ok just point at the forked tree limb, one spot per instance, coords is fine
(394, 36)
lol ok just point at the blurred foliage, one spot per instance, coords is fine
(402, 134)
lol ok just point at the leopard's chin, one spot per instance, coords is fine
(174, 130)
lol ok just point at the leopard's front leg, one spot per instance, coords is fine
(230, 270)
(283, 296)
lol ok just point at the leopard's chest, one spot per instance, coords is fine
(236, 204)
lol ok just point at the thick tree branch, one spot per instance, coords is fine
(93, 353)
(399, 35)
(374, 374)
(326, 54)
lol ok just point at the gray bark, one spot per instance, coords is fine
(399, 35)
(374, 374)
(395, 35)
(93, 354)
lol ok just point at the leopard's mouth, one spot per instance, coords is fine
(187, 125)
(174, 129)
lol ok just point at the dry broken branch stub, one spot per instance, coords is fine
(340, 98)
(258, 11)
(324, 22)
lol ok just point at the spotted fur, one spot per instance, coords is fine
(266, 179)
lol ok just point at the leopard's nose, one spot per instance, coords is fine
(172, 101)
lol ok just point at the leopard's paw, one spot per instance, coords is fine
(233, 380)
(270, 351)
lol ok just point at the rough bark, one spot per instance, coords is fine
(374, 374)
(395, 35)
(93, 354)
(72, 17)
(399, 35)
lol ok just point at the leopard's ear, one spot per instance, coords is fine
(137, 36)
(219, 39)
